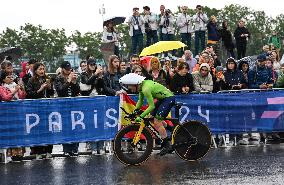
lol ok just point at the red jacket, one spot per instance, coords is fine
(5, 94)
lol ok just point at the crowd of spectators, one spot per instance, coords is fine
(201, 72)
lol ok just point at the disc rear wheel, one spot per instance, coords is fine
(182, 138)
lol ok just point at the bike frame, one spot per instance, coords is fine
(147, 123)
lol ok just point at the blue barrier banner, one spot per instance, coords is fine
(52, 121)
(64, 120)
(236, 112)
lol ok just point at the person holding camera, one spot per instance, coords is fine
(67, 85)
(167, 21)
(151, 26)
(162, 12)
(136, 30)
(200, 21)
(241, 35)
(184, 23)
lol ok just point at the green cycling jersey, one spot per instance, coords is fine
(151, 90)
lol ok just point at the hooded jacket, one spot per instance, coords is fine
(233, 77)
(202, 83)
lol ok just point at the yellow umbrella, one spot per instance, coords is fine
(162, 46)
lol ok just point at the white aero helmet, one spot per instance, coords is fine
(131, 79)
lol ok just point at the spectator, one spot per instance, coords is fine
(134, 60)
(189, 60)
(275, 41)
(168, 68)
(83, 66)
(29, 74)
(219, 80)
(7, 66)
(5, 93)
(110, 36)
(234, 78)
(213, 34)
(25, 69)
(280, 80)
(137, 69)
(202, 79)
(91, 80)
(162, 12)
(184, 23)
(157, 73)
(66, 85)
(266, 50)
(275, 60)
(151, 26)
(122, 67)
(200, 20)
(269, 65)
(18, 91)
(203, 58)
(182, 82)
(136, 31)
(227, 39)
(112, 76)
(167, 21)
(241, 35)
(244, 67)
(40, 86)
(261, 76)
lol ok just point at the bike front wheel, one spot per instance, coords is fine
(182, 135)
(124, 149)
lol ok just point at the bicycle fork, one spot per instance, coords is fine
(138, 134)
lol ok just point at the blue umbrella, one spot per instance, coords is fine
(11, 52)
(115, 20)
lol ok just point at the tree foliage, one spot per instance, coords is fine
(88, 43)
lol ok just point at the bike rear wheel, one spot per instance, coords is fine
(196, 151)
(124, 149)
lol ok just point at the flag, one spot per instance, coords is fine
(129, 105)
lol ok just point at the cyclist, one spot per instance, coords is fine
(152, 90)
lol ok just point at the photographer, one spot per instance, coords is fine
(151, 26)
(136, 31)
(167, 21)
(184, 23)
(200, 21)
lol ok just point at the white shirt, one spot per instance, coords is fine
(181, 23)
(152, 19)
(110, 37)
(200, 22)
(167, 29)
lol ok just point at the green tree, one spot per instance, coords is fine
(9, 38)
(88, 43)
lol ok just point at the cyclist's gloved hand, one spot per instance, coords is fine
(137, 111)
(138, 119)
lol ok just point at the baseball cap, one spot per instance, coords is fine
(91, 61)
(66, 65)
(261, 57)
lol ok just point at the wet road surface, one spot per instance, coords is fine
(236, 165)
